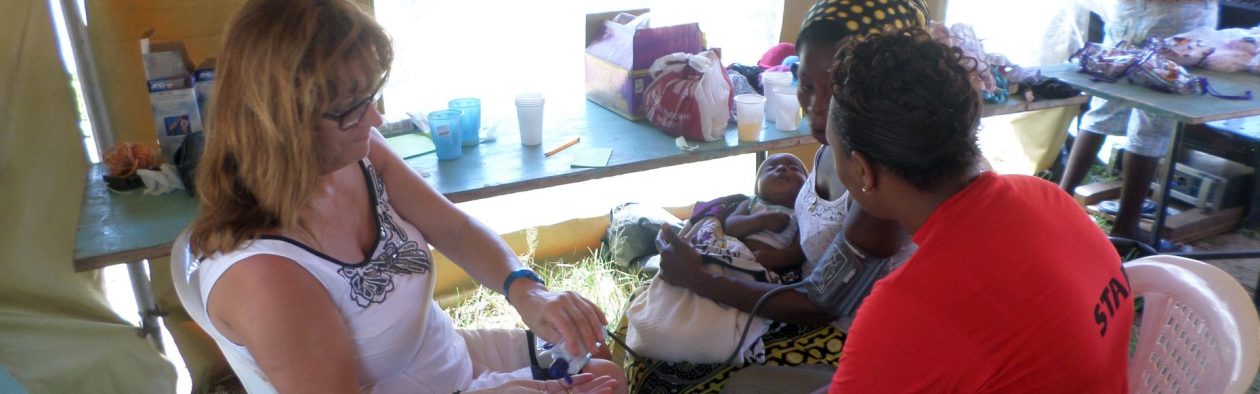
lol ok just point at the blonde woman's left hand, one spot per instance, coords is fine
(581, 384)
(556, 315)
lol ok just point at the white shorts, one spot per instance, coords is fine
(1149, 134)
(1134, 21)
(498, 356)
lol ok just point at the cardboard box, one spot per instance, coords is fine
(203, 84)
(396, 123)
(618, 57)
(172, 93)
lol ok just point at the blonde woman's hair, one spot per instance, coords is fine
(284, 63)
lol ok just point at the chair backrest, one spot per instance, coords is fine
(183, 270)
(1199, 331)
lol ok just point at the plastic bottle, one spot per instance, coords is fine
(559, 363)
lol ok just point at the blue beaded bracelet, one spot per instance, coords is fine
(520, 273)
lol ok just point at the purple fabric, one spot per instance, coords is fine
(719, 207)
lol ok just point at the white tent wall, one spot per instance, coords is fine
(57, 333)
(1041, 32)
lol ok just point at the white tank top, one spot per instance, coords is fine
(404, 342)
(819, 219)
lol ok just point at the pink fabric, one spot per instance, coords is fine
(776, 54)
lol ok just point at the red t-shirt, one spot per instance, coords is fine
(1013, 289)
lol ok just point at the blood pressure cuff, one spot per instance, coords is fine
(843, 278)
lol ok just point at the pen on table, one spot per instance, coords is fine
(566, 144)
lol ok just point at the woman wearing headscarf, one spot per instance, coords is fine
(809, 322)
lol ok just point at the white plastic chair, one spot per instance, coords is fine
(1199, 331)
(183, 268)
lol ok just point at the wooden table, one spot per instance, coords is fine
(1188, 109)
(1184, 108)
(128, 228)
(116, 227)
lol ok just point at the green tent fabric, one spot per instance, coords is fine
(57, 333)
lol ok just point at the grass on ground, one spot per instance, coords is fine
(1099, 173)
(594, 278)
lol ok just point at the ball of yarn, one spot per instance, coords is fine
(125, 158)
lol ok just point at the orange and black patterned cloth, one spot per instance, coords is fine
(787, 345)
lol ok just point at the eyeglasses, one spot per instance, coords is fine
(351, 117)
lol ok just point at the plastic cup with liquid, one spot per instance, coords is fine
(444, 128)
(470, 125)
(750, 115)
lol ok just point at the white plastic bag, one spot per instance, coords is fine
(690, 96)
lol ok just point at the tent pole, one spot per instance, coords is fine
(149, 312)
(89, 79)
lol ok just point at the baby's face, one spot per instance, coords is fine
(780, 179)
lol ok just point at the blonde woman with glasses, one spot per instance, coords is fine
(313, 237)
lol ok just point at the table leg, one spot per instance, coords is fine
(1166, 182)
(146, 302)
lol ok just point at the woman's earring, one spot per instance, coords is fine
(863, 189)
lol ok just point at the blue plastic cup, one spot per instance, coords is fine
(444, 127)
(471, 108)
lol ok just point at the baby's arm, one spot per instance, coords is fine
(741, 223)
(779, 260)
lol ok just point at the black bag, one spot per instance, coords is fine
(186, 158)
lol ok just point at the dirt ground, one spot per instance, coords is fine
(1245, 270)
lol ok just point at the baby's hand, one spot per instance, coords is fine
(774, 221)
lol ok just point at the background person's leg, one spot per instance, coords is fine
(1149, 139)
(1081, 159)
(1104, 118)
(1139, 171)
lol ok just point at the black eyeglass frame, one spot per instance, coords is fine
(351, 117)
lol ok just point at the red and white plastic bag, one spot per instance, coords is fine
(690, 96)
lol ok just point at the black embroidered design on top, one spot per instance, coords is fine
(371, 283)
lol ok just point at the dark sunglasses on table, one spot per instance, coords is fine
(351, 117)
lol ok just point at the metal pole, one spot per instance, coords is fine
(1167, 182)
(146, 302)
(1222, 255)
(89, 79)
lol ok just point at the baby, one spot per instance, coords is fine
(764, 223)
(753, 242)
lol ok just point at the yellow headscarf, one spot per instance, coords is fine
(863, 17)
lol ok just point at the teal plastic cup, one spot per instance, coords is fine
(471, 124)
(444, 128)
